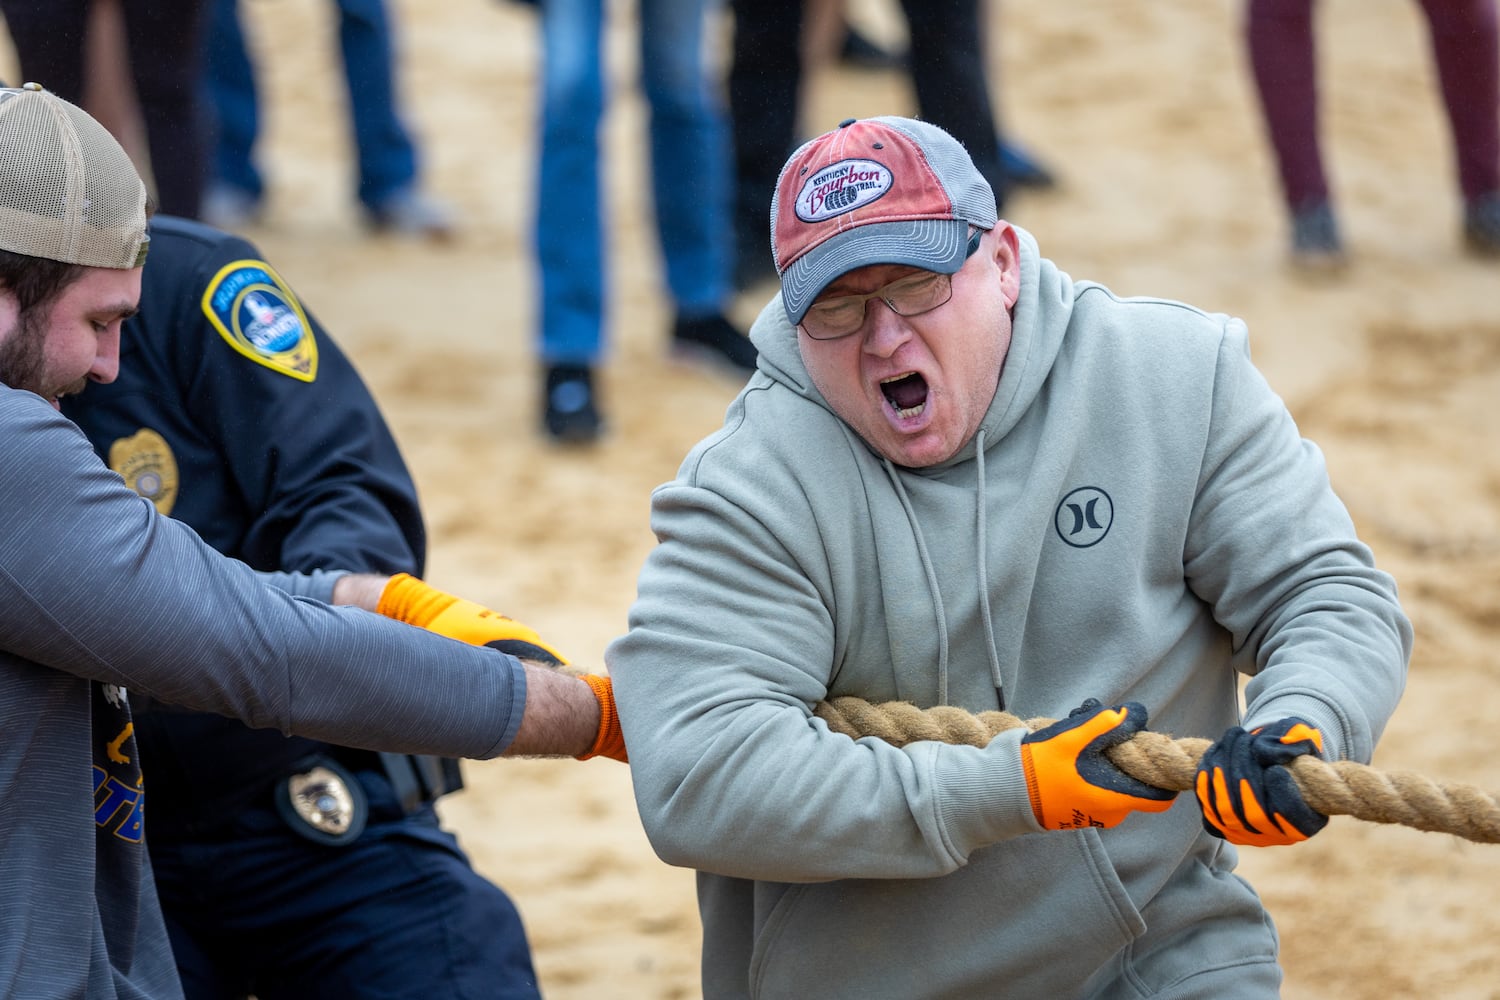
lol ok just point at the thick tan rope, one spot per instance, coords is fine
(1338, 789)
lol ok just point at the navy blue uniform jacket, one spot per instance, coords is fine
(236, 413)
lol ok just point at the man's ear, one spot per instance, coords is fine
(1007, 251)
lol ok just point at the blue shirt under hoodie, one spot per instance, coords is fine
(1137, 518)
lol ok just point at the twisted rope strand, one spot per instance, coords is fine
(1343, 788)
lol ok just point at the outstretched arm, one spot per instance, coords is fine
(557, 703)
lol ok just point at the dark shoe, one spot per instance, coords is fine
(1482, 225)
(714, 338)
(858, 52)
(1316, 245)
(570, 416)
(1022, 170)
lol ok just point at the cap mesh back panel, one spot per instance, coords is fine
(68, 192)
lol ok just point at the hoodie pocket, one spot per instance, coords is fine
(1034, 916)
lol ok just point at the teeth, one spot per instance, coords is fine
(910, 411)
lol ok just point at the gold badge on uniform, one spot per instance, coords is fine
(324, 803)
(257, 314)
(145, 461)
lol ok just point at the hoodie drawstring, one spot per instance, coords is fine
(930, 570)
(984, 575)
(932, 581)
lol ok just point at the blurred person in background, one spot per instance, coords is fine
(163, 42)
(689, 176)
(386, 156)
(1466, 52)
(947, 62)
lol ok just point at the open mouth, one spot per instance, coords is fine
(907, 394)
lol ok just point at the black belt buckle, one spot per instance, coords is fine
(323, 802)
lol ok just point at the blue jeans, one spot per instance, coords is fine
(387, 158)
(689, 166)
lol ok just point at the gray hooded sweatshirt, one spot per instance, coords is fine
(1137, 518)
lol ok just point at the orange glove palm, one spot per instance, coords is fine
(1072, 784)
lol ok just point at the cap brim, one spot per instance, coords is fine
(932, 244)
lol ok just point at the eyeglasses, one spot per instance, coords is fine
(924, 291)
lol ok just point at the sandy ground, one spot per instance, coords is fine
(1145, 109)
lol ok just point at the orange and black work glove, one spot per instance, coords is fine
(609, 741)
(1247, 794)
(407, 599)
(1072, 784)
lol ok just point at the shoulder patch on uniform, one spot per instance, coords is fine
(146, 463)
(255, 311)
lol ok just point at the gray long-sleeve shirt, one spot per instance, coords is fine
(100, 596)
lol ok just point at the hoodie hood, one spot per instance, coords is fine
(1039, 321)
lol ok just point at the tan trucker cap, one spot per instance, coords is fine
(68, 192)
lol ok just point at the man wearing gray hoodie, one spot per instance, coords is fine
(962, 477)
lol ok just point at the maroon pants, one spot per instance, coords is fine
(1465, 47)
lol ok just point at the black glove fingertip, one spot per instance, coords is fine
(523, 650)
(1285, 798)
(1136, 716)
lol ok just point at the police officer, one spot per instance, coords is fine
(286, 867)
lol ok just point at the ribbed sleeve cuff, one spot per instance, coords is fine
(985, 798)
(514, 711)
